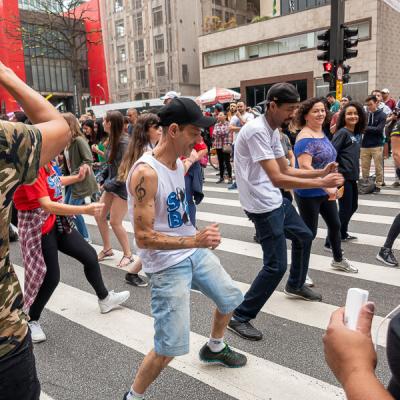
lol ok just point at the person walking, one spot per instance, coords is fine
(385, 254)
(77, 154)
(45, 229)
(114, 196)
(174, 254)
(223, 139)
(347, 141)
(313, 152)
(23, 149)
(261, 169)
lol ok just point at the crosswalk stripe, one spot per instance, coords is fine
(369, 272)
(44, 396)
(260, 379)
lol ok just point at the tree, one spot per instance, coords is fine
(58, 29)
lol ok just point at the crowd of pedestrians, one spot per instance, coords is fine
(150, 167)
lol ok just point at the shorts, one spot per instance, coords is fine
(170, 298)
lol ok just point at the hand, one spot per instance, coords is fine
(330, 168)
(332, 180)
(209, 237)
(332, 193)
(94, 209)
(83, 172)
(350, 352)
(194, 156)
(95, 148)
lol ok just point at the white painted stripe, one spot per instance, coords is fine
(369, 272)
(44, 396)
(260, 379)
(390, 192)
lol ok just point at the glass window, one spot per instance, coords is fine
(137, 4)
(139, 50)
(185, 73)
(123, 77)
(138, 24)
(120, 29)
(118, 6)
(140, 73)
(121, 51)
(159, 44)
(160, 69)
(157, 16)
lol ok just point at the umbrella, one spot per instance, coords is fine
(218, 95)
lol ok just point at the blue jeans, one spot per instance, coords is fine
(170, 298)
(78, 219)
(272, 229)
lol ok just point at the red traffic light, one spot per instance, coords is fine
(328, 66)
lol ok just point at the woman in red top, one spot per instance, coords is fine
(45, 229)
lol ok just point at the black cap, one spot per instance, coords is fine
(333, 94)
(184, 111)
(283, 93)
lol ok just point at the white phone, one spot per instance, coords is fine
(356, 298)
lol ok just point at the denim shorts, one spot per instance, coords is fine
(170, 298)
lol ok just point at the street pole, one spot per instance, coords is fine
(336, 47)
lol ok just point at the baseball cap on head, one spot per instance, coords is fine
(385, 90)
(184, 111)
(170, 95)
(282, 93)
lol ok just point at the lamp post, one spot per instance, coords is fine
(104, 93)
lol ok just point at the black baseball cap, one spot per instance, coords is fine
(183, 111)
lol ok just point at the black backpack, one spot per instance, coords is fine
(366, 186)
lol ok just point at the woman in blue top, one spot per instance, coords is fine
(313, 150)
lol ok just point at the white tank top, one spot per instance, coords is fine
(171, 213)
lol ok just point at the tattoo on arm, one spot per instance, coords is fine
(140, 190)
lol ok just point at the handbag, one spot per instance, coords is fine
(227, 148)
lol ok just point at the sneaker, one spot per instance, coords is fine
(37, 333)
(233, 186)
(344, 265)
(396, 184)
(349, 237)
(230, 181)
(245, 330)
(133, 398)
(377, 189)
(135, 280)
(113, 300)
(220, 181)
(304, 293)
(226, 357)
(387, 257)
(12, 234)
(309, 282)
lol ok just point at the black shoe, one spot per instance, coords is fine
(256, 239)
(226, 357)
(387, 257)
(220, 180)
(349, 237)
(377, 189)
(245, 330)
(13, 235)
(125, 396)
(304, 293)
(135, 280)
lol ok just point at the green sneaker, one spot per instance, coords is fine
(226, 357)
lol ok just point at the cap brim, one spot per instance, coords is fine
(204, 122)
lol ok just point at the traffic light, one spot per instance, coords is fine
(328, 74)
(324, 37)
(349, 42)
(346, 73)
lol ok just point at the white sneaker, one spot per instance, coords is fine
(344, 265)
(37, 333)
(113, 300)
(309, 282)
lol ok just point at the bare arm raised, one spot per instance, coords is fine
(54, 129)
(143, 187)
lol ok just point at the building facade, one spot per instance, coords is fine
(151, 47)
(251, 58)
(43, 62)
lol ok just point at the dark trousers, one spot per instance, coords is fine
(310, 208)
(272, 229)
(18, 377)
(348, 205)
(74, 245)
(394, 232)
(224, 162)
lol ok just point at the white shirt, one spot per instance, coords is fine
(235, 121)
(171, 213)
(257, 141)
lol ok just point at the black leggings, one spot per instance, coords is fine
(74, 245)
(310, 208)
(394, 232)
(348, 205)
(224, 162)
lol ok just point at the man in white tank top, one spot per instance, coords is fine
(175, 255)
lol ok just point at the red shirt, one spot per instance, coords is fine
(27, 197)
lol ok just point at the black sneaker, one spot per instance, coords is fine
(227, 357)
(304, 293)
(245, 330)
(135, 280)
(13, 235)
(387, 257)
(220, 181)
(377, 189)
(349, 237)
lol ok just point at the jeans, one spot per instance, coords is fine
(18, 377)
(73, 245)
(272, 229)
(348, 205)
(189, 198)
(170, 298)
(394, 232)
(224, 162)
(78, 219)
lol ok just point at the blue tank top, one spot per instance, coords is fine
(322, 152)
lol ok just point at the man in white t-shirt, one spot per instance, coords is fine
(241, 118)
(261, 169)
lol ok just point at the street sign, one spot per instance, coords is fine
(339, 73)
(339, 90)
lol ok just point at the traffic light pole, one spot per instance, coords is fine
(336, 48)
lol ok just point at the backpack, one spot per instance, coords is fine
(366, 186)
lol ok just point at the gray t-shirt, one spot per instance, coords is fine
(256, 142)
